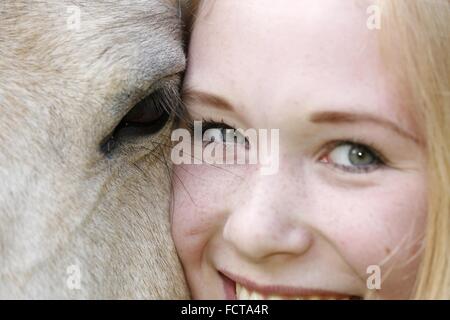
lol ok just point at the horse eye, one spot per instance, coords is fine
(145, 113)
(147, 117)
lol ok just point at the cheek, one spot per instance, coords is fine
(379, 225)
(199, 206)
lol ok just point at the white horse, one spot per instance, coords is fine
(84, 167)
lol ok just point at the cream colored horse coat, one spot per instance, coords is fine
(82, 215)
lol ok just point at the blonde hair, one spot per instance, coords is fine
(417, 32)
(415, 45)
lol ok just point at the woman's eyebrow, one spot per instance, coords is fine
(195, 96)
(216, 101)
(351, 117)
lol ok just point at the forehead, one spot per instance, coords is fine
(312, 52)
(303, 34)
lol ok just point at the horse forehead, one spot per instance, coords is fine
(117, 47)
(143, 34)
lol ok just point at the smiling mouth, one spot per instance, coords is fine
(237, 288)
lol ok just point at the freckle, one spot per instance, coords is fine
(387, 250)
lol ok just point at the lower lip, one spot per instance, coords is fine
(229, 287)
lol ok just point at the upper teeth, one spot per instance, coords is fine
(243, 293)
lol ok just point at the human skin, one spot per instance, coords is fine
(313, 228)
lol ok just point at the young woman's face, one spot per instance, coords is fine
(350, 190)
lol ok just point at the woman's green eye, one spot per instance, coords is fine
(361, 156)
(353, 157)
(222, 133)
(213, 135)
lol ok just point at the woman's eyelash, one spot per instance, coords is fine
(211, 124)
(379, 160)
(372, 147)
(208, 124)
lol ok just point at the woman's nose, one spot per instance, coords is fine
(263, 227)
